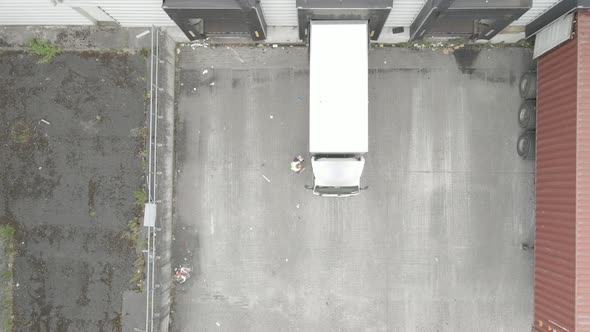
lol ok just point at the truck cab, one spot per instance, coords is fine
(337, 176)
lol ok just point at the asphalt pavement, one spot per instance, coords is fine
(71, 134)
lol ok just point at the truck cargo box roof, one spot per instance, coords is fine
(338, 95)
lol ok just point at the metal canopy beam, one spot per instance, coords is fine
(475, 21)
(338, 4)
(197, 19)
(374, 11)
(427, 16)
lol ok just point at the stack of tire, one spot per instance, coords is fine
(527, 115)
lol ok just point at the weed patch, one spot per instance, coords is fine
(144, 52)
(140, 197)
(137, 279)
(43, 48)
(21, 132)
(132, 232)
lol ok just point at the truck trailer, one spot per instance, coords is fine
(338, 110)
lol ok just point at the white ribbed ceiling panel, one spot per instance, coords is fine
(284, 12)
(403, 12)
(539, 7)
(279, 12)
(38, 12)
(129, 13)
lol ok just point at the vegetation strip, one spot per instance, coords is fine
(7, 237)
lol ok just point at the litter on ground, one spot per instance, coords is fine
(182, 274)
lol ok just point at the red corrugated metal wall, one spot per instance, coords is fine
(556, 190)
(583, 177)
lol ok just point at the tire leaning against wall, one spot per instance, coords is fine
(528, 85)
(526, 145)
(527, 115)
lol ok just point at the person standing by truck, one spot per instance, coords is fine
(297, 165)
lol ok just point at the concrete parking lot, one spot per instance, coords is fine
(433, 245)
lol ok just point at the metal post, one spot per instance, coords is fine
(153, 289)
(156, 88)
(147, 302)
(150, 122)
(149, 184)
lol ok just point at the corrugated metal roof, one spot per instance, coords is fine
(556, 190)
(129, 13)
(403, 12)
(539, 7)
(279, 12)
(583, 177)
(39, 12)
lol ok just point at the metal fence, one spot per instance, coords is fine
(152, 181)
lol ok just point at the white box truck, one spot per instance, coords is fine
(338, 110)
